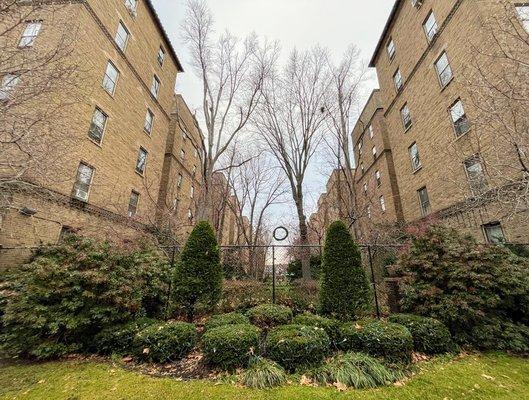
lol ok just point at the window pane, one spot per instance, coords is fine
(494, 233)
(523, 12)
(391, 48)
(131, 4)
(155, 86)
(133, 203)
(9, 81)
(142, 159)
(161, 56)
(406, 116)
(30, 34)
(97, 125)
(371, 132)
(149, 119)
(476, 175)
(443, 69)
(110, 79)
(414, 155)
(122, 36)
(424, 201)
(82, 183)
(382, 203)
(398, 80)
(430, 26)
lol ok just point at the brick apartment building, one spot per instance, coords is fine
(132, 158)
(420, 149)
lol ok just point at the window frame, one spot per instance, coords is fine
(150, 114)
(522, 18)
(464, 117)
(371, 131)
(7, 88)
(440, 73)
(435, 26)
(33, 36)
(161, 60)
(418, 157)
(140, 151)
(382, 202)
(406, 128)
(121, 24)
(391, 49)
(136, 206)
(156, 84)
(77, 181)
(105, 76)
(476, 191)
(103, 128)
(378, 178)
(493, 224)
(428, 210)
(132, 8)
(398, 87)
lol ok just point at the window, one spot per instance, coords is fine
(149, 121)
(194, 169)
(406, 117)
(476, 174)
(390, 47)
(30, 34)
(133, 203)
(374, 150)
(414, 156)
(417, 3)
(81, 187)
(189, 214)
(111, 78)
(184, 136)
(179, 181)
(155, 87)
(424, 201)
(97, 126)
(370, 130)
(494, 233)
(430, 26)
(362, 167)
(444, 71)
(141, 161)
(369, 211)
(523, 13)
(378, 178)
(192, 192)
(382, 203)
(459, 118)
(122, 36)
(182, 155)
(360, 145)
(9, 82)
(397, 78)
(161, 56)
(365, 188)
(131, 6)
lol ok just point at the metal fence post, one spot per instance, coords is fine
(373, 280)
(273, 274)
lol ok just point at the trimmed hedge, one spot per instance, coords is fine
(233, 318)
(430, 336)
(378, 338)
(297, 346)
(230, 346)
(118, 339)
(165, 342)
(330, 326)
(345, 291)
(269, 315)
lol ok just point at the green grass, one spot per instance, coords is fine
(493, 376)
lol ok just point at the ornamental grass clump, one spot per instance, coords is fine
(198, 278)
(232, 318)
(354, 370)
(267, 316)
(263, 374)
(296, 347)
(230, 346)
(378, 338)
(164, 342)
(430, 336)
(345, 292)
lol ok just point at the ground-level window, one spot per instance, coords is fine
(494, 233)
(133, 203)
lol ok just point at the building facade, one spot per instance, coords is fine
(132, 161)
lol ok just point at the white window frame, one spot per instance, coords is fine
(148, 124)
(80, 185)
(107, 78)
(132, 6)
(378, 178)
(432, 31)
(479, 185)
(415, 159)
(460, 121)
(444, 81)
(30, 33)
(523, 14)
(8, 84)
(120, 41)
(371, 131)
(405, 115)
(160, 57)
(391, 49)
(94, 125)
(141, 151)
(133, 212)
(397, 80)
(382, 203)
(155, 86)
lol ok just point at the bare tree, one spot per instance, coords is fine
(290, 121)
(257, 186)
(232, 73)
(496, 150)
(39, 82)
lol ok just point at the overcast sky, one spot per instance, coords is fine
(334, 24)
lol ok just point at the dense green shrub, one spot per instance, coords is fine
(269, 315)
(430, 336)
(297, 346)
(300, 295)
(263, 374)
(354, 370)
(476, 290)
(345, 292)
(68, 293)
(243, 295)
(233, 318)
(384, 339)
(118, 339)
(198, 279)
(330, 326)
(294, 268)
(165, 341)
(230, 346)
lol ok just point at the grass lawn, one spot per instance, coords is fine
(492, 376)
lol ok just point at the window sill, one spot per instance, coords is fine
(100, 144)
(463, 135)
(408, 128)
(142, 174)
(443, 88)
(417, 170)
(107, 92)
(147, 132)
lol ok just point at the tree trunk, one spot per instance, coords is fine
(303, 237)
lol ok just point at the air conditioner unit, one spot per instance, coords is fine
(81, 194)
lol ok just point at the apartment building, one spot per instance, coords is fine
(136, 144)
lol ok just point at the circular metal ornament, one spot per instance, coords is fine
(280, 233)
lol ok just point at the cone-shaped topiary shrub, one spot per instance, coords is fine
(330, 326)
(230, 346)
(269, 315)
(345, 292)
(198, 279)
(263, 374)
(430, 336)
(297, 346)
(166, 341)
(233, 318)
(354, 370)
(378, 338)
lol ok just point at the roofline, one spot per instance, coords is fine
(164, 34)
(384, 32)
